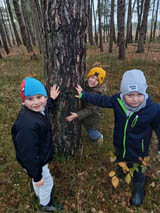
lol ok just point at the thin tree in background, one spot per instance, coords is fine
(121, 27)
(29, 31)
(143, 29)
(100, 26)
(155, 20)
(111, 37)
(129, 23)
(9, 23)
(90, 30)
(22, 26)
(3, 36)
(65, 53)
(5, 27)
(18, 40)
(95, 26)
(37, 22)
(152, 20)
(140, 7)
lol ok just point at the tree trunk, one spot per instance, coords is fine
(9, 23)
(143, 29)
(5, 28)
(64, 57)
(27, 23)
(121, 16)
(100, 26)
(2, 33)
(155, 22)
(95, 27)
(90, 31)
(152, 21)
(129, 22)
(38, 23)
(139, 14)
(111, 27)
(22, 26)
(18, 40)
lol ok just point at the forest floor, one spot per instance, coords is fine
(82, 183)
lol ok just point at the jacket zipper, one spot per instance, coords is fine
(126, 124)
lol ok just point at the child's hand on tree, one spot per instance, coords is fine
(40, 183)
(72, 116)
(54, 92)
(79, 90)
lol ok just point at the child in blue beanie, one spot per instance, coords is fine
(135, 118)
(32, 137)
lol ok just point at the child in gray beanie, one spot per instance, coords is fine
(135, 118)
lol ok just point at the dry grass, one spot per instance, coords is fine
(82, 183)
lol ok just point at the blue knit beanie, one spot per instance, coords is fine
(30, 87)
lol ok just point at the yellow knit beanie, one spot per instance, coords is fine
(99, 72)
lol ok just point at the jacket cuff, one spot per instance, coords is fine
(36, 179)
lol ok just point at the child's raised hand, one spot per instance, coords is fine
(54, 92)
(71, 117)
(79, 90)
(40, 183)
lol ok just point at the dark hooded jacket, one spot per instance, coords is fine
(32, 137)
(132, 134)
(90, 114)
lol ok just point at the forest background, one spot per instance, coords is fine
(82, 181)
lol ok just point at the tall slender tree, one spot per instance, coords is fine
(22, 26)
(111, 37)
(65, 24)
(18, 40)
(143, 29)
(121, 27)
(100, 26)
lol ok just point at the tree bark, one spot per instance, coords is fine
(18, 40)
(111, 27)
(143, 29)
(120, 17)
(139, 14)
(2, 33)
(64, 57)
(155, 22)
(90, 30)
(22, 26)
(100, 26)
(5, 28)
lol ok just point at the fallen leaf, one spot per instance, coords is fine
(115, 181)
(111, 173)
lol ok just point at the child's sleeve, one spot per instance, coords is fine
(156, 128)
(86, 111)
(26, 142)
(51, 104)
(98, 100)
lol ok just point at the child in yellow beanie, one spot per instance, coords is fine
(90, 115)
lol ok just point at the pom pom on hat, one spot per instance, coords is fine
(30, 87)
(99, 72)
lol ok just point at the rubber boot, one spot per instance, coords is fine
(138, 194)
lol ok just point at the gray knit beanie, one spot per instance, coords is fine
(133, 81)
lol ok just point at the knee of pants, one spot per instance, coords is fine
(94, 134)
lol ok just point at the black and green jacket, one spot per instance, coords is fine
(132, 134)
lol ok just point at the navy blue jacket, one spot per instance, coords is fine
(32, 137)
(132, 134)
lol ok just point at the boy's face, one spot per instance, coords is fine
(36, 103)
(93, 81)
(134, 99)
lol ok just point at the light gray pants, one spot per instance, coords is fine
(44, 192)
